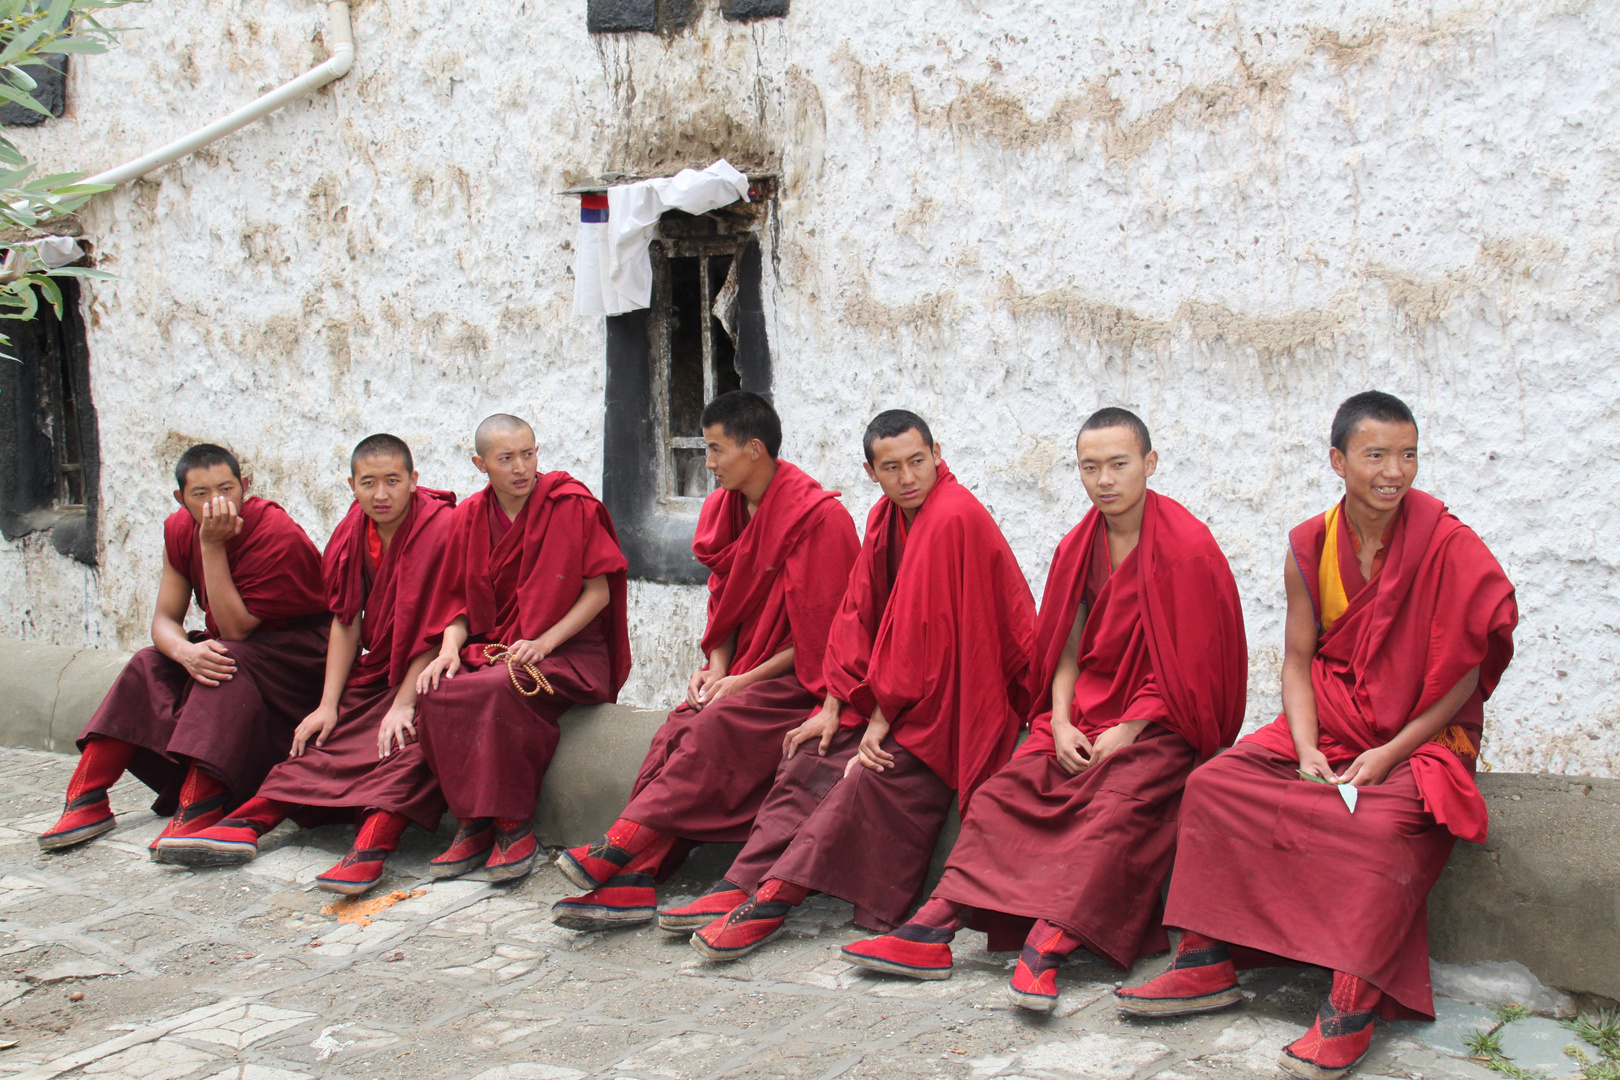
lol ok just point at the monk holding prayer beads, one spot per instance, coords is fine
(528, 616)
(201, 717)
(927, 673)
(1317, 839)
(779, 549)
(352, 756)
(1143, 668)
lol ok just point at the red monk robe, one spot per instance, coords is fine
(344, 776)
(238, 730)
(937, 629)
(1163, 641)
(488, 743)
(775, 581)
(1277, 864)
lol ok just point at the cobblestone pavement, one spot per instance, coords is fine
(239, 974)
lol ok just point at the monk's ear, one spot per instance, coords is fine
(871, 474)
(247, 479)
(1337, 459)
(180, 497)
(478, 463)
(1150, 464)
(352, 490)
(939, 454)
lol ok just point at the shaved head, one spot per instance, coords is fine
(499, 424)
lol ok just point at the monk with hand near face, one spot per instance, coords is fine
(927, 671)
(352, 756)
(1143, 667)
(1317, 839)
(529, 617)
(200, 718)
(779, 549)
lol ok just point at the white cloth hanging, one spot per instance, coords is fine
(612, 263)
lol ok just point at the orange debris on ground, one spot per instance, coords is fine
(353, 910)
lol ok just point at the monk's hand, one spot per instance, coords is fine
(398, 729)
(871, 754)
(207, 661)
(220, 523)
(1114, 740)
(1315, 763)
(1370, 767)
(317, 725)
(1072, 748)
(822, 725)
(440, 666)
(700, 691)
(529, 652)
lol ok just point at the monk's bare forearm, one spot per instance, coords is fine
(720, 656)
(1299, 649)
(455, 636)
(1299, 705)
(593, 597)
(405, 696)
(342, 646)
(780, 664)
(1433, 720)
(225, 604)
(169, 616)
(1068, 671)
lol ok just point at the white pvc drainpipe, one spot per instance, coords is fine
(341, 38)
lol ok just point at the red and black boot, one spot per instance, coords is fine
(1342, 1032)
(362, 867)
(1034, 980)
(628, 846)
(627, 899)
(202, 806)
(751, 924)
(1201, 979)
(467, 851)
(921, 949)
(514, 852)
(233, 842)
(722, 898)
(87, 813)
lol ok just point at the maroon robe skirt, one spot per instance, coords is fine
(1276, 864)
(346, 777)
(236, 731)
(867, 838)
(488, 745)
(709, 770)
(1088, 853)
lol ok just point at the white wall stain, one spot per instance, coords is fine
(1227, 216)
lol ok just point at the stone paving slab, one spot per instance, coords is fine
(239, 974)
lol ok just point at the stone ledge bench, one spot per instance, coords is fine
(1543, 891)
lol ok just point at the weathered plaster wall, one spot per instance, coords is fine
(1226, 215)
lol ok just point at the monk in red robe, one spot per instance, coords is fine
(351, 756)
(779, 549)
(201, 717)
(927, 672)
(527, 618)
(1316, 839)
(1143, 669)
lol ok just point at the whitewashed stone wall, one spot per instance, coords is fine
(1227, 216)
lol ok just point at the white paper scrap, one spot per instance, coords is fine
(1349, 794)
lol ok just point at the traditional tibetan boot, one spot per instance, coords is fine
(627, 846)
(87, 813)
(625, 900)
(752, 924)
(921, 949)
(233, 842)
(1201, 979)
(1342, 1032)
(722, 898)
(362, 867)
(202, 806)
(514, 852)
(467, 851)
(1034, 980)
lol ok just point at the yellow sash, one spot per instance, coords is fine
(1329, 585)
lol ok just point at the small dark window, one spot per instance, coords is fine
(49, 457)
(669, 16)
(703, 335)
(50, 91)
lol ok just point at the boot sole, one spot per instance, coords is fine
(1177, 1006)
(686, 924)
(1033, 1002)
(347, 888)
(575, 873)
(1312, 1071)
(441, 871)
(187, 851)
(69, 837)
(892, 967)
(596, 917)
(513, 870)
(709, 952)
